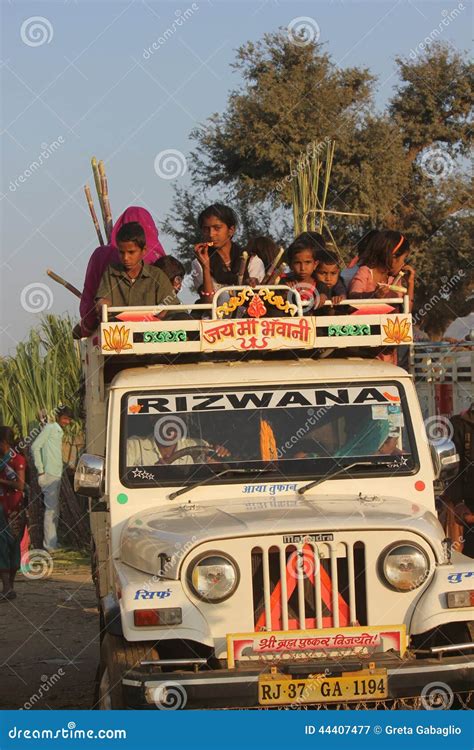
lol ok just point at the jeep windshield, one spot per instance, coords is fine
(286, 433)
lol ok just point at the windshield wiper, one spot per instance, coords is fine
(210, 479)
(342, 470)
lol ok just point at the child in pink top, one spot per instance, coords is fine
(384, 264)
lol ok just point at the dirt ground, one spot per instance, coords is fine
(49, 639)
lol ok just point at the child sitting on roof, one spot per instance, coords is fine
(329, 284)
(131, 282)
(384, 267)
(174, 270)
(305, 257)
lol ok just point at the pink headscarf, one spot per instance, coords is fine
(106, 254)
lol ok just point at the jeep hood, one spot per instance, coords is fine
(165, 535)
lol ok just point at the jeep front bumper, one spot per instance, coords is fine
(238, 688)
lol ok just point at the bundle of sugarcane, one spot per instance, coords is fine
(95, 220)
(310, 184)
(108, 224)
(101, 186)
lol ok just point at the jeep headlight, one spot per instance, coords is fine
(213, 577)
(404, 566)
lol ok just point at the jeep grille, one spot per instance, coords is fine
(298, 586)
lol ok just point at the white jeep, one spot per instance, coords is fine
(263, 516)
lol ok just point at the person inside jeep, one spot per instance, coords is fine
(170, 445)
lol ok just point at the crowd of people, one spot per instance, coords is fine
(134, 270)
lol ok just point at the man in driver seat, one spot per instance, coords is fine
(167, 447)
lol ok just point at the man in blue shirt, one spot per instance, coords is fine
(48, 457)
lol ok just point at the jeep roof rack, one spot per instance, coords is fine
(243, 319)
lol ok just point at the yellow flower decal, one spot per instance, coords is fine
(397, 331)
(116, 339)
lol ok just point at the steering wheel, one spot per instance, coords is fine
(192, 450)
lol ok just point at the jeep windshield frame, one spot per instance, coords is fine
(266, 430)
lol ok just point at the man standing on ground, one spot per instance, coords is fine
(48, 457)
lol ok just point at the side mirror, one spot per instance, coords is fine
(445, 459)
(89, 475)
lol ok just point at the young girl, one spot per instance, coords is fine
(218, 257)
(385, 258)
(12, 518)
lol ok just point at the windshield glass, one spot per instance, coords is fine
(179, 437)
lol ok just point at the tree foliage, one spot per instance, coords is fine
(404, 167)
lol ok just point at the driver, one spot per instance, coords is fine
(176, 450)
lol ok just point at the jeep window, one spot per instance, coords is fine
(291, 433)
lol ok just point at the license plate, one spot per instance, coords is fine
(350, 686)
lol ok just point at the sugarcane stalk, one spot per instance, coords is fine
(276, 275)
(243, 265)
(108, 224)
(64, 283)
(275, 263)
(327, 177)
(98, 187)
(95, 220)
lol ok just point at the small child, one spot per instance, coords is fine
(385, 258)
(328, 282)
(131, 283)
(174, 270)
(302, 260)
(314, 273)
